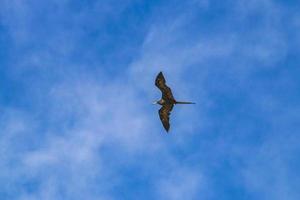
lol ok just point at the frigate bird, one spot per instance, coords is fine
(167, 101)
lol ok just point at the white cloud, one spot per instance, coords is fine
(181, 184)
(88, 120)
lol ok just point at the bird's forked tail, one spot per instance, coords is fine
(184, 102)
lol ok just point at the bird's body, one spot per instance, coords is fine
(167, 101)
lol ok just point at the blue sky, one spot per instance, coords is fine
(77, 82)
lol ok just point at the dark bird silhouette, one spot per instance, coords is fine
(167, 101)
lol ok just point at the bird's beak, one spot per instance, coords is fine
(154, 103)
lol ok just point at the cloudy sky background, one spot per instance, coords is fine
(77, 82)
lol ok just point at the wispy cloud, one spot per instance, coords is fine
(83, 132)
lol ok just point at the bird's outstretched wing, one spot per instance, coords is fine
(160, 82)
(164, 114)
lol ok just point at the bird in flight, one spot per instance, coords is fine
(167, 101)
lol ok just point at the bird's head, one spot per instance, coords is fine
(159, 102)
(155, 102)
